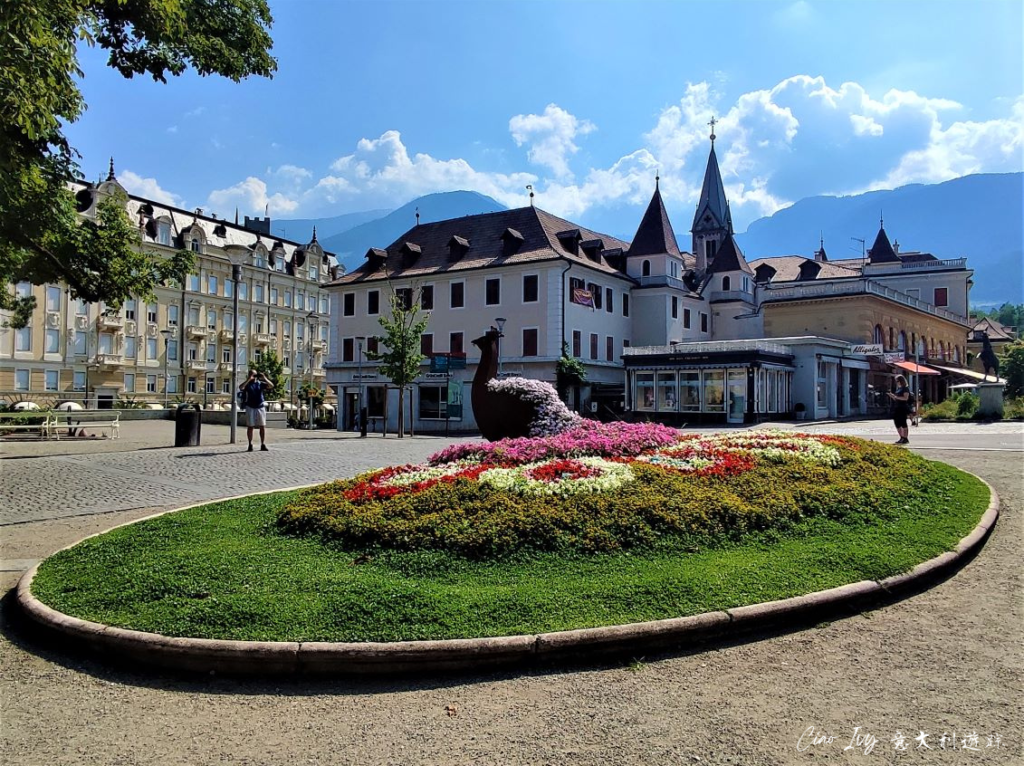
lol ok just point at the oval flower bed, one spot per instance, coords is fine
(600, 525)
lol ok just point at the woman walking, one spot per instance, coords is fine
(901, 409)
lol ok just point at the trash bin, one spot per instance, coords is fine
(188, 424)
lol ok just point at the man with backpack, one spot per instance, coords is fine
(251, 395)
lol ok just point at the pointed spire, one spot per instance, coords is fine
(314, 232)
(881, 251)
(654, 236)
(729, 258)
(713, 208)
(110, 174)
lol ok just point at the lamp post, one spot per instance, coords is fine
(167, 344)
(500, 322)
(237, 255)
(360, 414)
(312, 322)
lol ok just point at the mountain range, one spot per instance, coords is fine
(980, 217)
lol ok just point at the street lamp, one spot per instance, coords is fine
(237, 254)
(500, 322)
(360, 414)
(311, 319)
(167, 343)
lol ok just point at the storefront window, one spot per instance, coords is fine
(822, 388)
(737, 394)
(645, 391)
(773, 391)
(433, 402)
(375, 401)
(714, 390)
(689, 391)
(667, 395)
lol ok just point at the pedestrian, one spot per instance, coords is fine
(900, 402)
(252, 396)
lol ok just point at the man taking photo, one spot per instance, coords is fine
(252, 395)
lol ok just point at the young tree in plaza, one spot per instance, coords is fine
(401, 358)
(41, 237)
(273, 367)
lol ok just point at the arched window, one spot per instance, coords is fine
(956, 354)
(892, 339)
(922, 348)
(645, 269)
(726, 283)
(196, 245)
(902, 342)
(877, 338)
(942, 350)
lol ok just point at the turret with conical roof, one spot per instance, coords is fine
(712, 222)
(655, 236)
(881, 251)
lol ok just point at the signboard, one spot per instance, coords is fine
(455, 399)
(892, 357)
(439, 363)
(869, 349)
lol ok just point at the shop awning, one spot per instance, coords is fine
(971, 374)
(917, 369)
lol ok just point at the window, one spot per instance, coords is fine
(530, 288)
(53, 298)
(225, 386)
(243, 356)
(151, 384)
(593, 345)
(80, 340)
(530, 341)
(196, 245)
(257, 292)
(609, 296)
(726, 283)
(455, 343)
(21, 380)
(492, 291)
(273, 296)
(192, 352)
(313, 273)
(129, 309)
(211, 285)
(172, 316)
(163, 233)
(433, 402)
(373, 344)
(211, 386)
(151, 352)
(190, 385)
(644, 391)
(710, 248)
(323, 304)
(82, 308)
(300, 299)
(457, 293)
(193, 283)
(822, 386)
(577, 344)
(714, 390)
(52, 342)
(427, 344)
(106, 343)
(211, 319)
(703, 322)
(287, 329)
(375, 396)
(877, 337)
(243, 291)
(129, 382)
(347, 350)
(686, 319)
(373, 302)
(172, 351)
(78, 381)
(941, 296)
(427, 297)
(689, 391)
(273, 326)
(23, 339)
(287, 299)
(675, 307)
(129, 346)
(51, 380)
(193, 315)
(229, 288)
(151, 313)
(625, 304)
(596, 292)
(243, 323)
(403, 296)
(609, 349)
(225, 354)
(211, 353)
(300, 331)
(645, 269)
(667, 394)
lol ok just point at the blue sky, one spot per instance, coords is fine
(376, 103)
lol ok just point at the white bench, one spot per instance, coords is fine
(69, 423)
(12, 428)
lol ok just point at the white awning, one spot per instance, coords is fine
(968, 374)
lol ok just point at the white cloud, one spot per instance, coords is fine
(550, 137)
(148, 188)
(172, 129)
(251, 196)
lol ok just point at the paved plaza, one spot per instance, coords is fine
(951, 658)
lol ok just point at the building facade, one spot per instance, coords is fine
(180, 345)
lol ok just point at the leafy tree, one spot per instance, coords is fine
(271, 366)
(309, 391)
(40, 237)
(400, 361)
(1011, 367)
(569, 372)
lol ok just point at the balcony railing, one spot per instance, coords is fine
(663, 280)
(226, 335)
(196, 331)
(110, 360)
(105, 322)
(708, 347)
(732, 295)
(262, 338)
(196, 365)
(854, 287)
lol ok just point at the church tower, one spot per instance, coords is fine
(712, 223)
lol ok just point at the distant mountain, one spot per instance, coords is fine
(350, 246)
(301, 229)
(980, 217)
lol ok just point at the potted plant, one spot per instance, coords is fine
(800, 410)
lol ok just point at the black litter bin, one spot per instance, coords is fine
(187, 425)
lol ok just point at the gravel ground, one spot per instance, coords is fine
(950, 659)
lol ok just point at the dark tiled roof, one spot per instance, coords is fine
(915, 257)
(729, 258)
(712, 202)
(881, 251)
(486, 234)
(994, 330)
(787, 268)
(655, 235)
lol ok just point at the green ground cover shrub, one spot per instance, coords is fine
(785, 526)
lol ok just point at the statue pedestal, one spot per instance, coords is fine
(991, 396)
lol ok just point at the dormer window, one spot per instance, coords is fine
(570, 240)
(195, 245)
(592, 248)
(163, 233)
(512, 240)
(375, 258)
(809, 271)
(457, 247)
(410, 253)
(764, 274)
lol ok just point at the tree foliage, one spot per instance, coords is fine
(40, 237)
(1011, 367)
(401, 358)
(273, 367)
(1008, 315)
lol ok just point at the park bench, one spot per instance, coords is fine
(16, 424)
(73, 422)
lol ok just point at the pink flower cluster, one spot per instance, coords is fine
(589, 438)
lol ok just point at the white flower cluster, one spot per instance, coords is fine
(612, 476)
(417, 473)
(770, 445)
(694, 463)
(553, 417)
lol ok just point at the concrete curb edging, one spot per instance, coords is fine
(269, 658)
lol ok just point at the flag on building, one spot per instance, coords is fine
(583, 297)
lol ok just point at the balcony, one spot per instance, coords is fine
(319, 372)
(110, 360)
(195, 331)
(227, 366)
(731, 295)
(821, 289)
(319, 345)
(113, 322)
(197, 365)
(262, 338)
(226, 336)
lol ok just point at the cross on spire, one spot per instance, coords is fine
(712, 124)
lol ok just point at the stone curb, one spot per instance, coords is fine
(265, 658)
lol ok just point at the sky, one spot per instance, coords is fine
(376, 103)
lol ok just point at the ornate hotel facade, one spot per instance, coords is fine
(178, 346)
